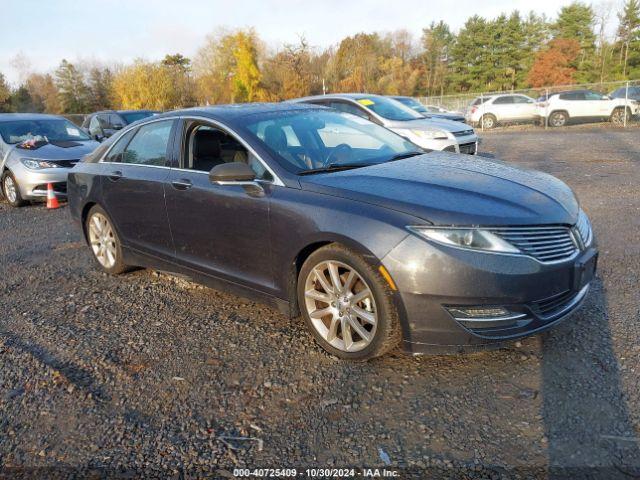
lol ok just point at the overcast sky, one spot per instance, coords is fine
(45, 31)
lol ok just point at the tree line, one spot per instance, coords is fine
(508, 52)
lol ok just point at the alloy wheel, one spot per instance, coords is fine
(558, 120)
(10, 189)
(617, 117)
(102, 240)
(341, 306)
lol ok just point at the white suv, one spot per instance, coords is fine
(493, 109)
(559, 107)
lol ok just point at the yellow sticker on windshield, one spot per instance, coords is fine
(366, 102)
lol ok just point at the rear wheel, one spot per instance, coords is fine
(618, 116)
(488, 121)
(347, 305)
(11, 191)
(558, 119)
(104, 241)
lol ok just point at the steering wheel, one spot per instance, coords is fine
(339, 152)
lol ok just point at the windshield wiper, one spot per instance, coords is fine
(335, 167)
(400, 156)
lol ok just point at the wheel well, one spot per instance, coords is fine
(560, 111)
(83, 216)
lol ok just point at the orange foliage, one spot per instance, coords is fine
(553, 66)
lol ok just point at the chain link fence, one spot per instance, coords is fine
(539, 106)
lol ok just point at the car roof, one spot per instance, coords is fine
(348, 96)
(238, 110)
(124, 111)
(7, 117)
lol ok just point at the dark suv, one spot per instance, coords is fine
(101, 125)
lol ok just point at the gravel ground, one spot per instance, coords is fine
(148, 373)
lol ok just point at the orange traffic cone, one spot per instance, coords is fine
(52, 200)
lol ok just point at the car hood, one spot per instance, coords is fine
(49, 151)
(447, 116)
(449, 189)
(430, 123)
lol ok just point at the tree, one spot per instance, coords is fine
(22, 102)
(553, 66)
(44, 93)
(99, 86)
(72, 90)
(5, 95)
(437, 40)
(576, 21)
(628, 30)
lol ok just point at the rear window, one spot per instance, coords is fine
(480, 100)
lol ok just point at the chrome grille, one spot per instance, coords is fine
(547, 244)
(463, 133)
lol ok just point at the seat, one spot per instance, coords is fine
(206, 150)
(276, 139)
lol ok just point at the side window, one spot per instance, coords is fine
(572, 96)
(521, 99)
(116, 152)
(208, 146)
(94, 125)
(115, 121)
(149, 145)
(593, 96)
(503, 100)
(349, 108)
(103, 120)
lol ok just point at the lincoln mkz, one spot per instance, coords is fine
(328, 215)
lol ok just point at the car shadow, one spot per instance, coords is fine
(587, 423)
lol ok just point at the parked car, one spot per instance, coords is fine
(632, 93)
(561, 107)
(101, 125)
(329, 215)
(429, 133)
(429, 112)
(36, 150)
(493, 110)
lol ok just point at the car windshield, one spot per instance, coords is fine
(48, 129)
(389, 108)
(413, 104)
(317, 140)
(131, 117)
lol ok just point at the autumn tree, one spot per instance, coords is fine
(576, 22)
(553, 66)
(43, 91)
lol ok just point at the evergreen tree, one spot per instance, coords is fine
(99, 89)
(629, 34)
(437, 40)
(576, 21)
(72, 91)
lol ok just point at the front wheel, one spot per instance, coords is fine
(104, 241)
(11, 191)
(488, 121)
(347, 305)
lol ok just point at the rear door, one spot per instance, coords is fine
(503, 108)
(134, 187)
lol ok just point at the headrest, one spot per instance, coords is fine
(207, 143)
(275, 137)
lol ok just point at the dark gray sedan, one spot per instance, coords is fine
(328, 215)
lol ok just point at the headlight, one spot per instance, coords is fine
(470, 238)
(34, 164)
(430, 134)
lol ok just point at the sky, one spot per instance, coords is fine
(43, 32)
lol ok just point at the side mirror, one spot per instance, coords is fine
(117, 126)
(232, 172)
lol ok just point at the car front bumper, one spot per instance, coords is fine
(432, 279)
(33, 183)
(466, 144)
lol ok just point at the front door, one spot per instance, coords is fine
(134, 186)
(221, 230)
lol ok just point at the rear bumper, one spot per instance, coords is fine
(433, 279)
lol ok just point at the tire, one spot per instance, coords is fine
(558, 119)
(618, 116)
(102, 237)
(364, 312)
(10, 190)
(488, 121)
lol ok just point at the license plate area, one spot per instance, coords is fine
(584, 269)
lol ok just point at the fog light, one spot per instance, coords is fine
(478, 312)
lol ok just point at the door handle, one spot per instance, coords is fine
(182, 184)
(115, 175)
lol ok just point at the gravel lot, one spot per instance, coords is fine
(149, 373)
